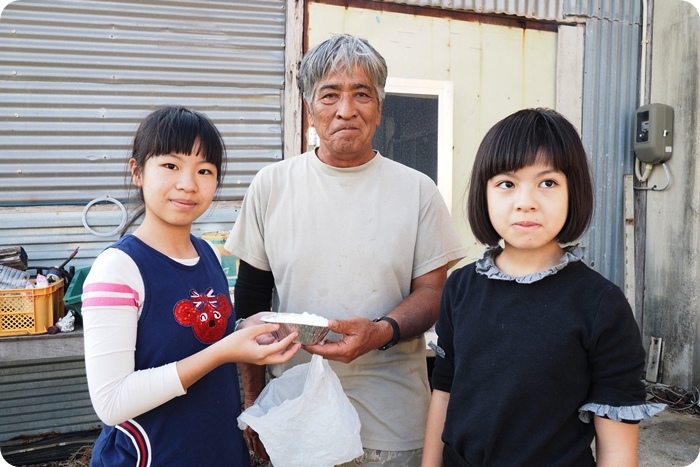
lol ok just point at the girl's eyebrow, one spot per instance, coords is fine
(176, 155)
(550, 171)
(511, 173)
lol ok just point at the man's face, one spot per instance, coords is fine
(345, 112)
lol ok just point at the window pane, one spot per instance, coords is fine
(408, 132)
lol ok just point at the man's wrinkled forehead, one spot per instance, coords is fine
(335, 80)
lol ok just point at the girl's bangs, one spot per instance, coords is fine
(184, 132)
(529, 146)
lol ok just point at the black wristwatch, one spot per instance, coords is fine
(397, 332)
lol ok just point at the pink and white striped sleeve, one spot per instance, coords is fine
(113, 293)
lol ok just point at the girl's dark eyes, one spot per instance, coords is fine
(171, 166)
(543, 184)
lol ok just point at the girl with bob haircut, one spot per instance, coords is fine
(159, 325)
(530, 136)
(537, 354)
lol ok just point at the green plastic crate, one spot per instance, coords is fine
(73, 298)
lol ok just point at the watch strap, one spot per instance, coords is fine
(397, 332)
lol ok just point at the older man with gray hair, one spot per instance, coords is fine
(342, 232)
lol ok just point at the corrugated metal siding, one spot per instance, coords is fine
(78, 76)
(552, 10)
(50, 235)
(43, 396)
(610, 94)
(625, 11)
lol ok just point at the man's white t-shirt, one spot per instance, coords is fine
(343, 243)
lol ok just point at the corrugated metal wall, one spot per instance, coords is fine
(76, 78)
(610, 96)
(43, 396)
(49, 235)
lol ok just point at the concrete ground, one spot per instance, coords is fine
(670, 439)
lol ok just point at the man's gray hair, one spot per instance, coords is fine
(341, 53)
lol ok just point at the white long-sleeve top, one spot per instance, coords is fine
(113, 298)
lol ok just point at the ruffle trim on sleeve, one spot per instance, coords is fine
(439, 352)
(627, 412)
(487, 266)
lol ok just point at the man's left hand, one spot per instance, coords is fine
(359, 336)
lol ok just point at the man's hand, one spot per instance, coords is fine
(359, 336)
(414, 315)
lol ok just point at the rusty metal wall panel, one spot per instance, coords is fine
(77, 76)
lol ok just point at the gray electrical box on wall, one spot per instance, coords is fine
(653, 141)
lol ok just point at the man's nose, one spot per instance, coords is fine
(346, 106)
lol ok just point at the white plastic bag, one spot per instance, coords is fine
(304, 416)
(67, 323)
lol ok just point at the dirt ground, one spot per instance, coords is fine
(670, 439)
